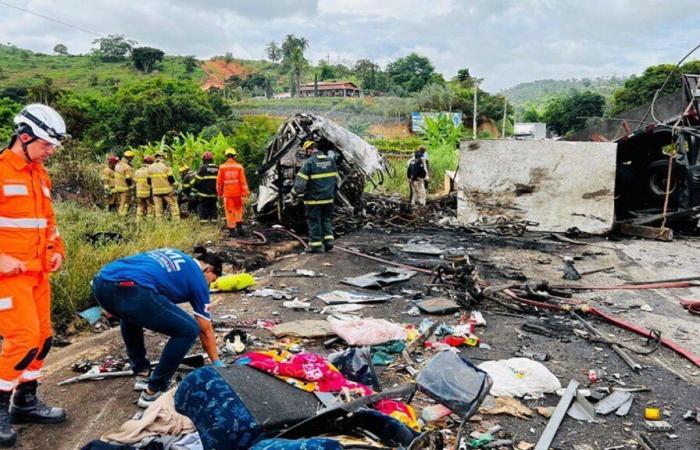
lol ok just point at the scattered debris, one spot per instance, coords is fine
(517, 377)
(368, 331)
(612, 402)
(505, 405)
(438, 306)
(340, 297)
(289, 293)
(657, 425)
(304, 329)
(553, 425)
(376, 280)
(297, 273)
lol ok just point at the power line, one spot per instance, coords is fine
(51, 19)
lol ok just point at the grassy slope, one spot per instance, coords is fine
(538, 93)
(21, 68)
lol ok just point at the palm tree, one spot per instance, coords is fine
(297, 63)
(274, 52)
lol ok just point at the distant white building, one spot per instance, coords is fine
(530, 130)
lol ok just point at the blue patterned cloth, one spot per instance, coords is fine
(300, 444)
(221, 418)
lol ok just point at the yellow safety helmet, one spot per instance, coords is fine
(128, 154)
(308, 144)
(230, 152)
(182, 169)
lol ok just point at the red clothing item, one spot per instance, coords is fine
(312, 372)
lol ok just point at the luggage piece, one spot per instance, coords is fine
(236, 406)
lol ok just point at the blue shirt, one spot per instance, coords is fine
(167, 271)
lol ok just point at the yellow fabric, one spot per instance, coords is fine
(160, 200)
(107, 177)
(158, 172)
(233, 282)
(143, 190)
(122, 172)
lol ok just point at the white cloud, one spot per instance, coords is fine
(505, 42)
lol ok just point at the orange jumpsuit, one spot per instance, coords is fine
(28, 232)
(232, 186)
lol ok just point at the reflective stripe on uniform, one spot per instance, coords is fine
(6, 222)
(5, 303)
(30, 375)
(205, 195)
(315, 244)
(208, 177)
(302, 176)
(15, 189)
(318, 202)
(329, 237)
(6, 385)
(324, 175)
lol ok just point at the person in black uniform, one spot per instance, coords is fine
(317, 182)
(205, 188)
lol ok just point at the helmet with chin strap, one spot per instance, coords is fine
(42, 122)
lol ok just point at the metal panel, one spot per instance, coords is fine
(557, 184)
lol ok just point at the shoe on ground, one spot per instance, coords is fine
(146, 399)
(8, 436)
(37, 413)
(141, 382)
(313, 250)
(27, 408)
(328, 248)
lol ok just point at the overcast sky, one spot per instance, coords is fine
(504, 41)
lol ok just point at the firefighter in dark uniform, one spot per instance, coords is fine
(204, 188)
(186, 196)
(317, 182)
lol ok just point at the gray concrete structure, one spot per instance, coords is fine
(557, 184)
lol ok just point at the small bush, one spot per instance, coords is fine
(71, 285)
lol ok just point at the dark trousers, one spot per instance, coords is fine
(320, 222)
(206, 208)
(140, 308)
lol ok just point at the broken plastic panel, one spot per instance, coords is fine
(454, 382)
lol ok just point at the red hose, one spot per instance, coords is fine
(687, 354)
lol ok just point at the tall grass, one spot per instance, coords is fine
(441, 159)
(71, 285)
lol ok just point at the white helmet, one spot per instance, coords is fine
(45, 122)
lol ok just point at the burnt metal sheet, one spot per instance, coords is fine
(377, 280)
(556, 184)
(438, 306)
(338, 297)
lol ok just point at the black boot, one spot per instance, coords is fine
(240, 230)
(7, 434)
(26, 407)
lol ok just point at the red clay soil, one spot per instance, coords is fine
(219, 71)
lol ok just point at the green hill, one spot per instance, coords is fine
(538, 93)
(22, 69)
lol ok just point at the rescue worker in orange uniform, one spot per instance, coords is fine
(30, 249)
(232, 186)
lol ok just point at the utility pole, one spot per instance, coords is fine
(328, 58)
(476, 90)
(505, 111)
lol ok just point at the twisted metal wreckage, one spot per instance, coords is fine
(358, 163)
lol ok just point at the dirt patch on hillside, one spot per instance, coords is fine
(219, 71)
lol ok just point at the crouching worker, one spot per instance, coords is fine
(142, 291)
